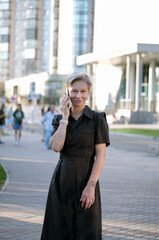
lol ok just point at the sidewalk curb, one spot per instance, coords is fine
(7, 177)
(134, 135)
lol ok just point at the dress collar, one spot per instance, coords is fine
(88, 112)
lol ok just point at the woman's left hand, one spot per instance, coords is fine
(88, 196)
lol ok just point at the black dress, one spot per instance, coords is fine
(65, 219)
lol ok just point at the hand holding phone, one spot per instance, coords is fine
(64, 107)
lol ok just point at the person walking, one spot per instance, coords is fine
(2, 121)
(48, 118)
(42, 121)
(18, 123)
(9, 118)
(73, 209)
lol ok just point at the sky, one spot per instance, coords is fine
(123, 22)
(120, 24)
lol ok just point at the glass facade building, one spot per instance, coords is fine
(83, 24)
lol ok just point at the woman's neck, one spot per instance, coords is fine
(77, 112)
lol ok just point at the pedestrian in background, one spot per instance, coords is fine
(73, 210)
(42, 121)
(2, 121)
(9, 118)
(48, 118)
(18, 123)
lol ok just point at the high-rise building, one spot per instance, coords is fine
(44, 35)
(4, 38)
(26, 37)
(76, 25)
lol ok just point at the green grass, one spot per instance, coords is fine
(2, 176)
(146, 132)
(5, 134)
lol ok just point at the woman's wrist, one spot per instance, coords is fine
(64, 117)
(64, 121)
(92, 183)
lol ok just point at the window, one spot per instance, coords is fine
(46, 33)
(30, 43)
(4, 71)
(30, 4)
(30, 23)
(4, 22)
(29, 53)
(4, 47)
(4, 30)
(4, 55)
(4, 5)
(45, 53)
(4, 38)
(46, 13)
(15, 90)
(4, 63)
(4, 14)
(29, 65)
(45, 42)
(31, 13)
(46, 3)
(31, 33)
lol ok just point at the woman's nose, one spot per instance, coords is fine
(78, 95)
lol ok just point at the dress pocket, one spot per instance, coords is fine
(87, 137)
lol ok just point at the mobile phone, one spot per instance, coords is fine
(67, 93)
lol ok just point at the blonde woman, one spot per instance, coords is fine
(73, 210)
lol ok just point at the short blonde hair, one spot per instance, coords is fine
(78, 76)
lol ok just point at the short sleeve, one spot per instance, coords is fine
(101, 129)
(55, 122)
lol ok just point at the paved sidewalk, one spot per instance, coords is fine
(129, 189)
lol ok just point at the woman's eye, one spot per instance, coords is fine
(73, 91)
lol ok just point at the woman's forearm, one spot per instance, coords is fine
(58, 139)
(98, 164)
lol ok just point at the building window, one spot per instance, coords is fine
(4, 30)
(4, 55)
(4, 5)
(4, 47)
(4, 22)
(31, 13)
(30, 23)
(15, 90)
(31, 33)
(30, 43)
(4, 71)
(29, 66)
(4, 38)
(31, 4)
(29, 53)
(46, 13)
(4, 14)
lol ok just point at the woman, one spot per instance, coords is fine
(18, 122)
(2, 121)
(73, 210)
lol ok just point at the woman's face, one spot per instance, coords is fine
(78, 92)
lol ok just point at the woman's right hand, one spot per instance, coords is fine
(64, 107)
